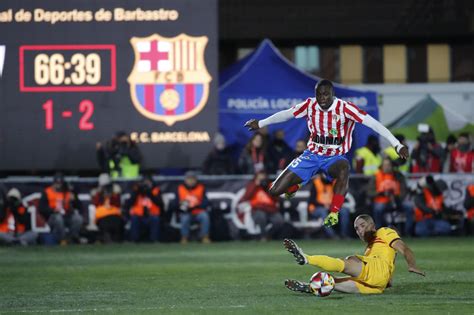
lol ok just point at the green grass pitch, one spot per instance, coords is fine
(233, 277)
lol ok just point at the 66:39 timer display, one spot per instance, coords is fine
(52, 69)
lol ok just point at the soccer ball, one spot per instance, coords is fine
(322, 284)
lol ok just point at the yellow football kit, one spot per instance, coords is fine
(378, 262)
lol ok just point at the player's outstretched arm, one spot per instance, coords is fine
(375, 125)
(252, 125)
(281, 116)
(403, 249)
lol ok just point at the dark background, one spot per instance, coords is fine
(345, 21)
(24, 142)
(371, 23)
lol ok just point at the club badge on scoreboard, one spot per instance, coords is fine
(169, 81)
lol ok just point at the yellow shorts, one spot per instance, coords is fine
(375, 275)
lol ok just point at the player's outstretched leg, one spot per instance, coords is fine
(291, 246)
(338, 170)
(291, 192)
(283, 182)
(297, 286)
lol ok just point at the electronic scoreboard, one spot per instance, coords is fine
(73, 73)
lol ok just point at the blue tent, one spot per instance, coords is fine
(265, 82)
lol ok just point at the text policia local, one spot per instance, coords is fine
(102, 15)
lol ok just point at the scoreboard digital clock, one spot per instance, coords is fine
(67, 83)
(67, 68)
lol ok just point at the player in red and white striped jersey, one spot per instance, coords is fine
(331, 122)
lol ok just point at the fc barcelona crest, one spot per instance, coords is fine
(169, 81)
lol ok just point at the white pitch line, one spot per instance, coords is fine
(110, 309)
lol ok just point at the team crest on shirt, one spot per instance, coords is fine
(335, 119)
(169, 81)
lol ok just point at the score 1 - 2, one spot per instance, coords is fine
(86, 108)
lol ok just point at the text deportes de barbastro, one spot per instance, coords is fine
(101, 15)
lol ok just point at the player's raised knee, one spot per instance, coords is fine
(352, 259)
(274, 191)
(352, 266)
(344, 167)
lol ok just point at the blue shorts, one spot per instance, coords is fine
(309, 164)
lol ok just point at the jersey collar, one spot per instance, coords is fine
(334, 102)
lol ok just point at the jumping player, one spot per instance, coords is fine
(330, 121)
(369, 273)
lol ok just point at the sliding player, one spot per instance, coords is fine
(367, 274)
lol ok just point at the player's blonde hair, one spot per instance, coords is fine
(367, 218)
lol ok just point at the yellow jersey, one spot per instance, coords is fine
(381, 246)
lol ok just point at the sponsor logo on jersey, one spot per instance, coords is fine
(328, 140)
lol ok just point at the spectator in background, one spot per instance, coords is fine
(254, 157)
(367, 159)
(219, 160)
(192, 204)
(450, 146)
(15, 220)
(120, 156)
(300, 146)
(265, 207)
(108, 212)
(145, 207)
(427, 154)
(62, 210)
(319, 203)
(430, 211)
(462, 156)
(388, 189)
(469, 206)
(265, 135)
(403, 165)
(279, 152)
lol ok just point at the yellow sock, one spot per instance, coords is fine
(327, 263)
